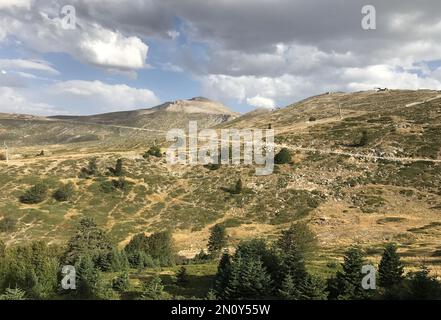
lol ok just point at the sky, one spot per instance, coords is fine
(129, 54)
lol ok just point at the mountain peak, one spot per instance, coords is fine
(197, 105)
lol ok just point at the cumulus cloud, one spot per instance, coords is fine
(40, 28)
(261, 102)
(249, 50)
(12, 101)
(77, 94)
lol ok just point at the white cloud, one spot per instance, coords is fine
(8, 4)
(40, 29)
(111, 49)
(21, 64)
(261, 102)
(12, 101)
(101, 96)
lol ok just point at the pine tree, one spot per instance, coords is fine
(391, 268)
(223, 275)
(153, 290)
(238, 187)
(89, 283)
(283, 157)
(249, 279)
(348, 282)
(119, 171)
(288, 290)
(313, 288)
(298, 237)
(182, 277)
(217, 240)
(422, 286)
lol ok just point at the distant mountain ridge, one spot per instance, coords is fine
(197, 105)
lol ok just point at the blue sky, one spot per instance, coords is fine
(250, 54)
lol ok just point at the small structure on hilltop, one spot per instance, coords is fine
(381, 89)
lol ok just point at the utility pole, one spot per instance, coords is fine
(6, 152)
(341, 114)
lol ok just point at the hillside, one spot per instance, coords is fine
(352, 187)
(112, 128)
(174, 114)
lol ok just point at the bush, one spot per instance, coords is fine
(363, 141)
(7, 224)
(35, 195)
(118, 171)
(154, 151)
(113, 185)
(121, 283)
(91, 170)
(237, 187)
(2, 156)
(283, 157)
(65, 192)
(312, 119)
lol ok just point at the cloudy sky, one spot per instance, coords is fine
(125, 54)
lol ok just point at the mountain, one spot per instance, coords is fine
(136, 126)
(168, 115)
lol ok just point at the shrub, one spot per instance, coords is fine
(35, 195)
(363, 141)
(90, 170)
(154, 151)
(312, 119)
(2, 156)
(65, 192)
(237, 188)
(121, 283)
(283, 157)
(118, 171)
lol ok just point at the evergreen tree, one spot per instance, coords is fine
(33, 268)
(391, 268)
(313, 288)
(89, 282)
(249, 279)
(223, 275)
(89, 240)
(283, 157)
(119, 171)
(298, 237)
(182, 277)
(348, 282)
(288, 290)
(91, 169)
(237, 187)
(153, 290)
(217, 240)
(420, 285)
